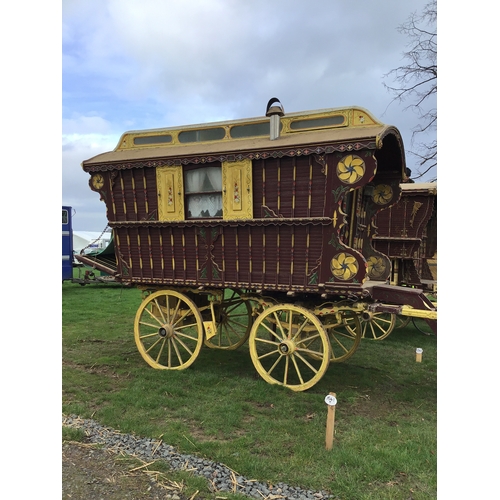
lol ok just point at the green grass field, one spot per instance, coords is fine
(220, 408)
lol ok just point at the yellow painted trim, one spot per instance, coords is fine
(170, 188)
(418, 313)
(237, 189)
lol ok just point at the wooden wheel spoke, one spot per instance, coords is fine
(299, 374)
(154, 317)
(300, 329)
(160, 310)
(178, 336)
(149, 334)
(275, 364)
(278, 323)
(161, 351)
(154, 344)
(305, 361)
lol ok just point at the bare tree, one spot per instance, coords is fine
(416, 82)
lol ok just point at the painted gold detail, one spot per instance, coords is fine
(237, 189)
(170, 193)
(97, 181)
(344, 266)
(351, 169)
(416, 207)
(376, 267)
(382, 194)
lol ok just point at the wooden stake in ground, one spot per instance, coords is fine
(331, 401)
(418, 354)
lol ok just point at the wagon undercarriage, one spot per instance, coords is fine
(292, 340)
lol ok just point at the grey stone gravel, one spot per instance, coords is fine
(220, 477)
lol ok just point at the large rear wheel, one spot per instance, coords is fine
(289, 347)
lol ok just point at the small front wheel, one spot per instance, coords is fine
(344, 331)
(234, 320)
(168, 330)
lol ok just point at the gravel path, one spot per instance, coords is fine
(219, 476)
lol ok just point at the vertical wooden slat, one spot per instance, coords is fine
(309, 200)
(172, 247)
(294, 186)
(263, 183)
(237, 255)
(249, 230)
(223, 256)
(161, 256)
(263, 254)
(197, 253)
(150, 252)
(122, 185)
(144, 183)
(277, 254)
(113, 204)
(307, 250)
(140, 252)
(134, 194)
(129, 250)
(279, 185)
(184, 263)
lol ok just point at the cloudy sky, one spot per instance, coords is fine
(129, 65)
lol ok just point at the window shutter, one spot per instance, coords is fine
(170, 193)
(237, 189)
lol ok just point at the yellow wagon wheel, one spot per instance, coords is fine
(289, 347)
(233, 317)
(374, 326)
(344, 331)
(168, 330)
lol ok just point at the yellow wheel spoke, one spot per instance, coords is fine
(161, 351)
(153, 316)
(305, 361)
(154, 344)
(297, 370)
(149, 334)
(160, 310)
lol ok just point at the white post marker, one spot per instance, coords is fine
(331, 401)
(419, 352)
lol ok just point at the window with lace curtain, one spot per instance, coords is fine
(203, 192)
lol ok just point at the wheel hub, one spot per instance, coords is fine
(166, 331)
(286, 347)
(366, 316)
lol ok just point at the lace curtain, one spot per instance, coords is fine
(203, 188)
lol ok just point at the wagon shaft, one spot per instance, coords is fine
(403, 301)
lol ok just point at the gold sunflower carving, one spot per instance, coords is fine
(344, 266)
(382, 194)
(350, 169)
